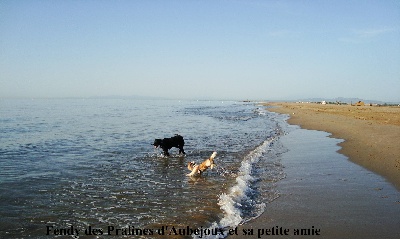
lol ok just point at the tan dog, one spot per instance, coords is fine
(197, 170)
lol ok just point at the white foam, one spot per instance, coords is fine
(230, 203)
(260, 111)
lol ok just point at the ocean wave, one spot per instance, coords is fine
(239, 204)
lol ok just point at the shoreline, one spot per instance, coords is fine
(370, 133)
(324, 194)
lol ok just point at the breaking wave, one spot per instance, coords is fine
(241, 203)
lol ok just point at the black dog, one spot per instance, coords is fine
(167, 143)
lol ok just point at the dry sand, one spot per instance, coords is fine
(325, 194)
(371, 133)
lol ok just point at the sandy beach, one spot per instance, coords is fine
(371, 133)
(328, 194)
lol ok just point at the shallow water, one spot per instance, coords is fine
(90, 163)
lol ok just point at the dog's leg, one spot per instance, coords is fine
(181, 150)
(166, 152)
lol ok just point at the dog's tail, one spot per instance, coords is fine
(213, 155)
(211, 160)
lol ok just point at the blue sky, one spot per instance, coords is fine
(215, 49)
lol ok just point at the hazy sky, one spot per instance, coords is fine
(219, 49)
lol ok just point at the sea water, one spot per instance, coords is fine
(86, 168)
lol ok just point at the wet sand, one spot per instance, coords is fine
(326, 195)
(371, 133)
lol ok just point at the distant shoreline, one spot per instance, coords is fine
(371, 133)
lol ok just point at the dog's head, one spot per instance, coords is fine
(157, 143)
